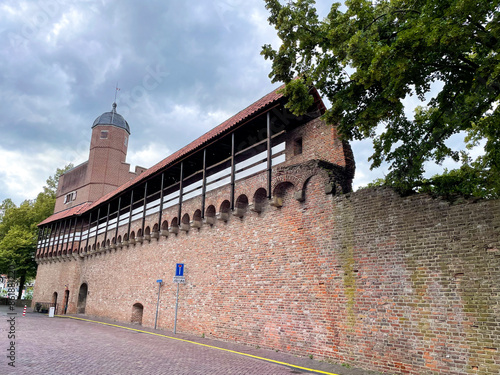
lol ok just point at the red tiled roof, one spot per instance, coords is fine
(252, 109)
(77, 210)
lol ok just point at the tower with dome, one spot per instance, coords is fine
(105, 170)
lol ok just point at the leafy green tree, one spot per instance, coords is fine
(19, 232)
(369, 57)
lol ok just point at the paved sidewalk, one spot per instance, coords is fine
(66, 346)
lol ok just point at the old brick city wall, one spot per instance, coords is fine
(399, 285)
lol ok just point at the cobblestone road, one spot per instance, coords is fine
(65, 346)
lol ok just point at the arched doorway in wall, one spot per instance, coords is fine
(82, 298)
(54, 301)
(65, 302)
(137, 311)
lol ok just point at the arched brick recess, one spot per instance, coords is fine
(259, 199)
(164, 225)
(137, 312)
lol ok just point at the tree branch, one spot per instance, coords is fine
(392, 12)
(469, 62)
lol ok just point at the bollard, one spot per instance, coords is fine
(24, 311)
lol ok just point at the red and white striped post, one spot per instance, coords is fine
(24, 311)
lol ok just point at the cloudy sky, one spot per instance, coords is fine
(182, 68)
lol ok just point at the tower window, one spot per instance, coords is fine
(297, 146)
(125, 141)
(70, 197)
(104, 134)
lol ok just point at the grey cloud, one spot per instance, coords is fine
(180, 66)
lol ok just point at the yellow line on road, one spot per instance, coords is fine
(205, 345)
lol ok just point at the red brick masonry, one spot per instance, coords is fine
(402, 285)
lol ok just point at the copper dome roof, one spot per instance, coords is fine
(112, 118)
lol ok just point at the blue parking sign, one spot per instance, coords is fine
(179, 269)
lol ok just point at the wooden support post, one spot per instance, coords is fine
(80, 238)
(180, 194)
(97, 227)
(54, 238)
(44, 238)
(60, 241)
(118, 218)
(40, 233)
(47, 240)
(69, 234)
(269, 156)
(107, 223)
(130, 214)
(74, 234)
(58, 236)
(68, 226)
(161, 202)
(204, 184)
(144, 208)
(39, 240)
(88, 231)
(64, 235)
(233, 169)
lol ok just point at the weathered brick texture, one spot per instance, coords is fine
(399, 285)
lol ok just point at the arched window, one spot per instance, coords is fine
(82, 299)
(174, 226)
(259, 200)
(139, 236)
(196, 223)
(210, 215)
(280, 193)
(164, 228)
(137, 311)
(185, 223)
(147, 233)
(224, 210)
(241, 206)
(155, 233)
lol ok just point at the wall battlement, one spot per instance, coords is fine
(251, 197)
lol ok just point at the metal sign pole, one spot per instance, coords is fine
(178, 278)
(176, 306)
(158, 302)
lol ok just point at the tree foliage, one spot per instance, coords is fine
(369, 57)
(18, 230)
